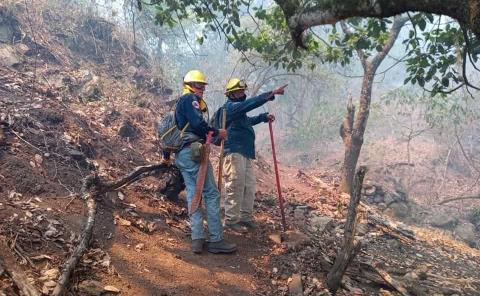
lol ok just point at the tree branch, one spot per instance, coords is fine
(459, 198)
(397, 285)
(464, 62)
(469, 160)
(397, 25)
(468, 47)
(397, 61)
(361, 54)
(185, 34)
(324, 12)
(220, 29)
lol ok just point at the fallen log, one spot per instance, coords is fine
(376, 220)
(82, 246)
(458, 198)
(135, 175)
(93, 187)
(9, 264)
(350, 247)
(397, 285)
(374, 273)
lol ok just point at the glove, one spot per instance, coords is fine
(222, 134)
(167, 162)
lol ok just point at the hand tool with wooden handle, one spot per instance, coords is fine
(222, 149)
(201, 175)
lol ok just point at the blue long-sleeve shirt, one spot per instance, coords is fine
(241, 136)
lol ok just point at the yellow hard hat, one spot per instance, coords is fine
(194, 76)
(235, 84)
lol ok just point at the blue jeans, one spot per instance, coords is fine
(210, 195)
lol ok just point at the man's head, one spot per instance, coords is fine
(194, 82)
(235, 89)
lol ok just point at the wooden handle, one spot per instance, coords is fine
(222, 149)
(201, 176)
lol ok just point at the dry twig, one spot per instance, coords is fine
(9, 264)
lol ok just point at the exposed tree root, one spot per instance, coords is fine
(93, 187)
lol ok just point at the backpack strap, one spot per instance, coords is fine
(175, 119)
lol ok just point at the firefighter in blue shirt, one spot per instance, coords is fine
(240, 151)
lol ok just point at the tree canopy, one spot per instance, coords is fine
(442, 40)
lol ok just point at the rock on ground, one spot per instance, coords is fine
(295, 287)
(466, 232)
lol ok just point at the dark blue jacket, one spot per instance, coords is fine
(191, 109)
(241, 136)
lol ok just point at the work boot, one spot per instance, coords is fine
(249, 224)
(236, 227)
(197, 245)
(222, 246)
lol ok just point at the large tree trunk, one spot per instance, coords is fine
(300, 18)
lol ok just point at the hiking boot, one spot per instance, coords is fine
(236, 227)
(197, 245)
(250, 225)
(222, 246)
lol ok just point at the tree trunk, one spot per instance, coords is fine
(350, 248)
(353, 139)
(353, 126)
(352, 153)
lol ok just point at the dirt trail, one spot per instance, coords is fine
(162, 263)
(166, 266)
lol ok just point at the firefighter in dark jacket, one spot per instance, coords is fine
(240, 151)
(191, 115)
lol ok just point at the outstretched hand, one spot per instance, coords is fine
(279, 90)
(271, 117)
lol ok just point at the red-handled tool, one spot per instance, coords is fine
(280, 197)
(201, 175)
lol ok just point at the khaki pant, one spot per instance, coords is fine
(240, 188)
